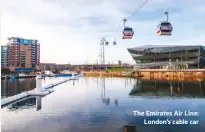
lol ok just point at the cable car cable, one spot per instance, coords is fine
(124, 20)
(137, 10)
(128, 32)
(133, 12)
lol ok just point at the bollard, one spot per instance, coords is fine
(38, 83)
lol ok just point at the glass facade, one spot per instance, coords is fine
(4, 56)
(159, 56)
(18, 40)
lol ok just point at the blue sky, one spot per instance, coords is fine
(71, 30)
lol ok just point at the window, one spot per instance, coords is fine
(165, 24)
(165, 30)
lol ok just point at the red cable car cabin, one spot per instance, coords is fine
(128, 33)
(164, 29)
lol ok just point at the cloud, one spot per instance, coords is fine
(200, 9)
(70, 31)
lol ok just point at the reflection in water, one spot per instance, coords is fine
(116, 102)
(16, 86)
(103, 87)
(106, 100)
(86, 82)
(26, 103)
(83, 108)
(73, 82)
(38, 103)
(167, 88)
(103, 96)
(127, 81)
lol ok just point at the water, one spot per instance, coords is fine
(81, 106)
(12, 87)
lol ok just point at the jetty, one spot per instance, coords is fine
(39, 90)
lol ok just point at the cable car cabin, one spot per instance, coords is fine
(128, 33)
(164, 29)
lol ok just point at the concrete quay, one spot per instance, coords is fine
(150, 74)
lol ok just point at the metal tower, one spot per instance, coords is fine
(102, 50)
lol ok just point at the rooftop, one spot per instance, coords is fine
(20, 38)
(162, 46)
(165, 48)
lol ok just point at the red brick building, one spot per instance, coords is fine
(24, 53)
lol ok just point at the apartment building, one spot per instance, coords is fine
(24, 53)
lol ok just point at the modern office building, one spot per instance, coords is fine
(168, 57)
(23, 53)
(4, 56)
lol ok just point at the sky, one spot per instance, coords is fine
(70, 31)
